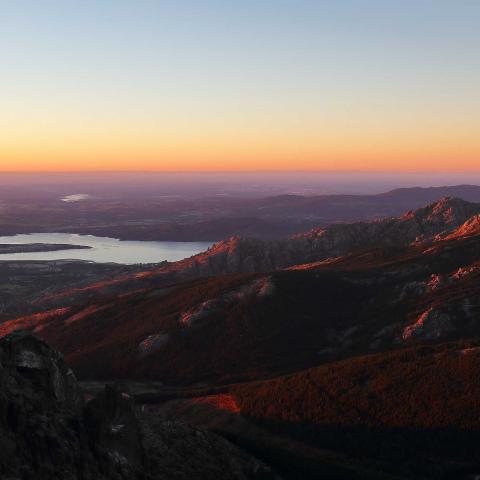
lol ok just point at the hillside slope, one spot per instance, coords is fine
(254, 325)
(416, 409)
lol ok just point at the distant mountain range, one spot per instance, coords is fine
(210, 218)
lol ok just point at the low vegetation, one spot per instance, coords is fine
(416, 408)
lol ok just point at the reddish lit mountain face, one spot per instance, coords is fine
(250, 310)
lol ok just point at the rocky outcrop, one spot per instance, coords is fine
(48, 432)
(459, 318)
(41, 430)
(470, 227)
(431, 324)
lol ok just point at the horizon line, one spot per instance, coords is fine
(235, 172)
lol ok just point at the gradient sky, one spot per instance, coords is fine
(239, 85)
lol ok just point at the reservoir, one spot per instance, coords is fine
(103, 249)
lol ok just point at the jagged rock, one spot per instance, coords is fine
(42, 366)
(470, 227)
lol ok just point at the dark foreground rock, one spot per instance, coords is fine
(47, 431)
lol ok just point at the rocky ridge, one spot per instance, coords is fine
(238, 254)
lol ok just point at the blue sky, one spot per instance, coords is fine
(200, 70)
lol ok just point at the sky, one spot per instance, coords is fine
(223, 85)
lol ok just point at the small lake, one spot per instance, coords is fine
(104, 249)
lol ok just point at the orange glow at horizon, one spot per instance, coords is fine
(245, 151)
(301, 142)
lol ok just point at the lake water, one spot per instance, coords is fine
(104, 249)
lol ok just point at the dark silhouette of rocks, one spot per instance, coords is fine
(48, 431)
